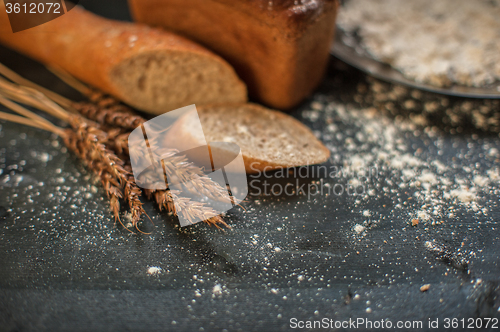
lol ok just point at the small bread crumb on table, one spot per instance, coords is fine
(425, 287)
(154, 270)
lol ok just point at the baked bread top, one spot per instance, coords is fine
(296, 14)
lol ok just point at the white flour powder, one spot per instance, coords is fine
(435, 42)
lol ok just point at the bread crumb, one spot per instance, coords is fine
(493, 174)
(154, 270)
(423, 215)
(481, 181)
(217, 290)
(428, 177)
(463, 195)
(425, 287)
(359, 228)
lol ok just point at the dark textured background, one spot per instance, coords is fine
(64, 265)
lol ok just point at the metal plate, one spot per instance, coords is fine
(348, 49)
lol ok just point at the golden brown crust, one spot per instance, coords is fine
(297, 15)
(89, 47)
(280, 51)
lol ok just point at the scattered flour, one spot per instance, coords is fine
(437, 186)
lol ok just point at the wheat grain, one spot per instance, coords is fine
(103, 146)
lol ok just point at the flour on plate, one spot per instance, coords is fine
(434, 42)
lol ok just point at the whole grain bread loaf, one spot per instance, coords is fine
(279, 47)
(150, 69)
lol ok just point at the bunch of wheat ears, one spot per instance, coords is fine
(97, 132)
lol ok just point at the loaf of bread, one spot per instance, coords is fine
(268, 139)
(149, 69)
(280, 48)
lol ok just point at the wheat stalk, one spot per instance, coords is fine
(86, 142)
(97, 148)
(25, 121)
(14, 77)
(107, 111)
(189, 209)
(113, 115)
(97, 98)
(109, 166)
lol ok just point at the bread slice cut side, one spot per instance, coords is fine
(268, 139)
(162, 80)
(154, 70)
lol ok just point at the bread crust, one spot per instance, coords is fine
(279, 48)
(89, 47)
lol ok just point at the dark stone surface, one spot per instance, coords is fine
(65, 265)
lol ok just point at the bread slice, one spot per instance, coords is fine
(268, 139)
(280, 48)
(150, 69)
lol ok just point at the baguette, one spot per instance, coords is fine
(268, 139)
(280, 48)
(150, 69)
